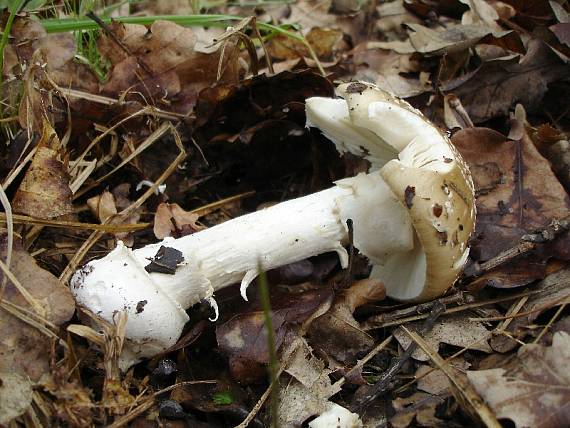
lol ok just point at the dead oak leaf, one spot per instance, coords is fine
(310, 388)
(388, 69)
(16, 395)
(534, 389)
(325, 43)
(58, 51)
(512, 198)
(435, 381)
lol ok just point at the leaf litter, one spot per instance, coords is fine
(187, 108)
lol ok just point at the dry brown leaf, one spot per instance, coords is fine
(495, 87)
(512, 198)
(559, 156)
(456, 330)
(16, 395)
(435, 381)
(392, 17)
(244, 339)
(325, 43)
(102, 206)
(308, 393)
(24, 350)
(336, 333)
(172, 220)
(534, 389)
(554, 290)
(419, 406)
(58, 50)
(311, 13)
(388, 69)
(451, 40)
(107, 204)
(57, 54)
(479, 10)
(161, 64)
(44, 192)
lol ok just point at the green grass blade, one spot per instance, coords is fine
(273, 363)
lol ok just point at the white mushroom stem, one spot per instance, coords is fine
(412, 215)
(233, 251)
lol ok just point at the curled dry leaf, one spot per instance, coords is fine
(102, 206)
(47, 62)
(24, 355)
(455, 115)
(554, 146)
(456, 330)
(107, 204)
(172, 220)
(479, 10)
(44, 192)
(388, 69)
(533, 390)
(392, 17)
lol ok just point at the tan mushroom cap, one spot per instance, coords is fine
(431, 180)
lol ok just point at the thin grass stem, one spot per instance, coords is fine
(273, 363)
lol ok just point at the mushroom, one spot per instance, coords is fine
(336, 416)
(412, 214)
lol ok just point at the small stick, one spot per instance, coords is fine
(363, 361)
(528, 243)
(391, 321)
(458, 298)
(370, 393)
(463, 386)
(549, 325)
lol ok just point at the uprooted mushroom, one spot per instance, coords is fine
(413, 213)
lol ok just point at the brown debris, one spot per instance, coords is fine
(532, 390)
(45, 191)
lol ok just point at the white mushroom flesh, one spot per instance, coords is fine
(412, 215)
(233, 252)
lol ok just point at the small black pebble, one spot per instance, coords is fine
(170, 409)
(164, 374)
